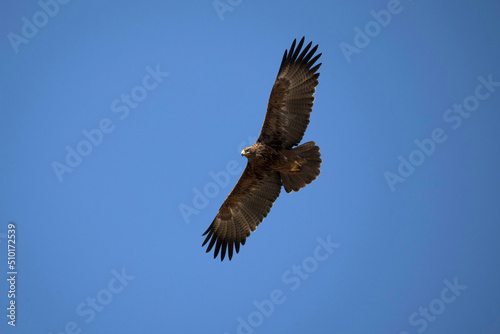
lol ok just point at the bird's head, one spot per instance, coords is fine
(248, 152)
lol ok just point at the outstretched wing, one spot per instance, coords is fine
(291, 98)
(245, 208)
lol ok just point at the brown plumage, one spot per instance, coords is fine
(272, 160)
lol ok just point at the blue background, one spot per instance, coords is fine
(120, 209)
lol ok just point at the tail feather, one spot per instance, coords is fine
(310, 169)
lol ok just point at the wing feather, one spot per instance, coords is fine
(291, 100)
(243, 210)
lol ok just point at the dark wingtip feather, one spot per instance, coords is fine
(310, 54)
(217, 248)
(304, 53)
(294, 54)
(223, 250)
(293, 58)
(208, 229)
(211, 244)
(221, 246)
(207, 238)
(312, 61)
(315, 68)
(302, 41)
(292, 48)
(230, 250)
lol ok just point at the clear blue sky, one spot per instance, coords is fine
(115, 115)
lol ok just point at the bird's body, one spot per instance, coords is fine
(263, 157)
(273, 161)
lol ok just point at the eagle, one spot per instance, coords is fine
(273, 161)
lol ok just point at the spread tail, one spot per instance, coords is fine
(309, 170)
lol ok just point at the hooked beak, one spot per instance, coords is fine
(243, 153)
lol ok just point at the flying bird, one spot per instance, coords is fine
(273, 161)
